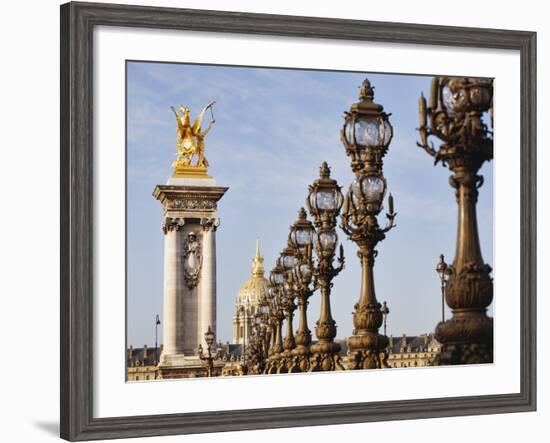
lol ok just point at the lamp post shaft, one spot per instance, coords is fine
(468, 250)
(367, 295)
(303, 334)
(302, 351)
(326, 326)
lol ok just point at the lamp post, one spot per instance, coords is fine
(456, 116)
(262, 333)
(255, 362)
(385, 311)
(276, 279)
(301, 238)
(443, 271)
(324, 202)
(209, 357)
(246, 328)
(287, 295)
(366, 136)
(272, 325)
(157, 323)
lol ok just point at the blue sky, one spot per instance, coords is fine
(274, 128)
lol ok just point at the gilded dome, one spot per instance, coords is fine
(256, 287)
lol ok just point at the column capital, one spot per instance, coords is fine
(172, 224)
(210, 224)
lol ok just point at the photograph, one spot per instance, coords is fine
(285, 221)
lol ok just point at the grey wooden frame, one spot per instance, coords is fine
(77, 23)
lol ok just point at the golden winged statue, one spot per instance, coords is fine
(190, 139)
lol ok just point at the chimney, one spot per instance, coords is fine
(391, 341)
(425, 336)
(145, 353)
(130, 352)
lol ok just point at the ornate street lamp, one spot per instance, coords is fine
(272, 326)
(456, 115)
(366, 136)
(287, 295)
(385, 311)
(276, 281)
(324, 202)
(257, 350)
(301, 237)
(209, 357)
(157, 323)
(255, 362)
(443, 272)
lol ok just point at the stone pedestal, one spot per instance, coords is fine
(189, 225)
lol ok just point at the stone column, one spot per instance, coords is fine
(173, 303)
(189, 224)
(207, 297)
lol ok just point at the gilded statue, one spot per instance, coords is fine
(190, 138)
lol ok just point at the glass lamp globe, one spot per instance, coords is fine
(372, 131)
(326, 199)
(324, 196)
(373, 188)
(368, 188)
(305, 270)
(289, 260)
(276, 277)
(326, 241)
(301, 231)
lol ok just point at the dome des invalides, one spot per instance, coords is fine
(248, 300)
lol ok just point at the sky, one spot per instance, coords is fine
(274, 128)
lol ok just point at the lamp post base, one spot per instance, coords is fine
(368, 351)
(326, 357)
(467, 339)
(301, 360)
(272, 364)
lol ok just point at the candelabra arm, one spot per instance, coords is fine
(341, 261)
(390, 223)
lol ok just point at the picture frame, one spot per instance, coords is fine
(78, 21)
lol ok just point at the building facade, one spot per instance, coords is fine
(413, 352)
(141, 363)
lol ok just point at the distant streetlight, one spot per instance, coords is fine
(443, 271)
(157, 323)
(385, 311)
(209, 357)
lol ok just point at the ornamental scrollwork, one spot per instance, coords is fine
(193, 204)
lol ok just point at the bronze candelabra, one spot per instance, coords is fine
(256, 352)
(366, 136)
(277, 316)
(324, 202)
(287, 294)
(209, 357)
(443, 272)
(301, 238)
(456, 116)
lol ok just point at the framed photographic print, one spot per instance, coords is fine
(273, 221)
